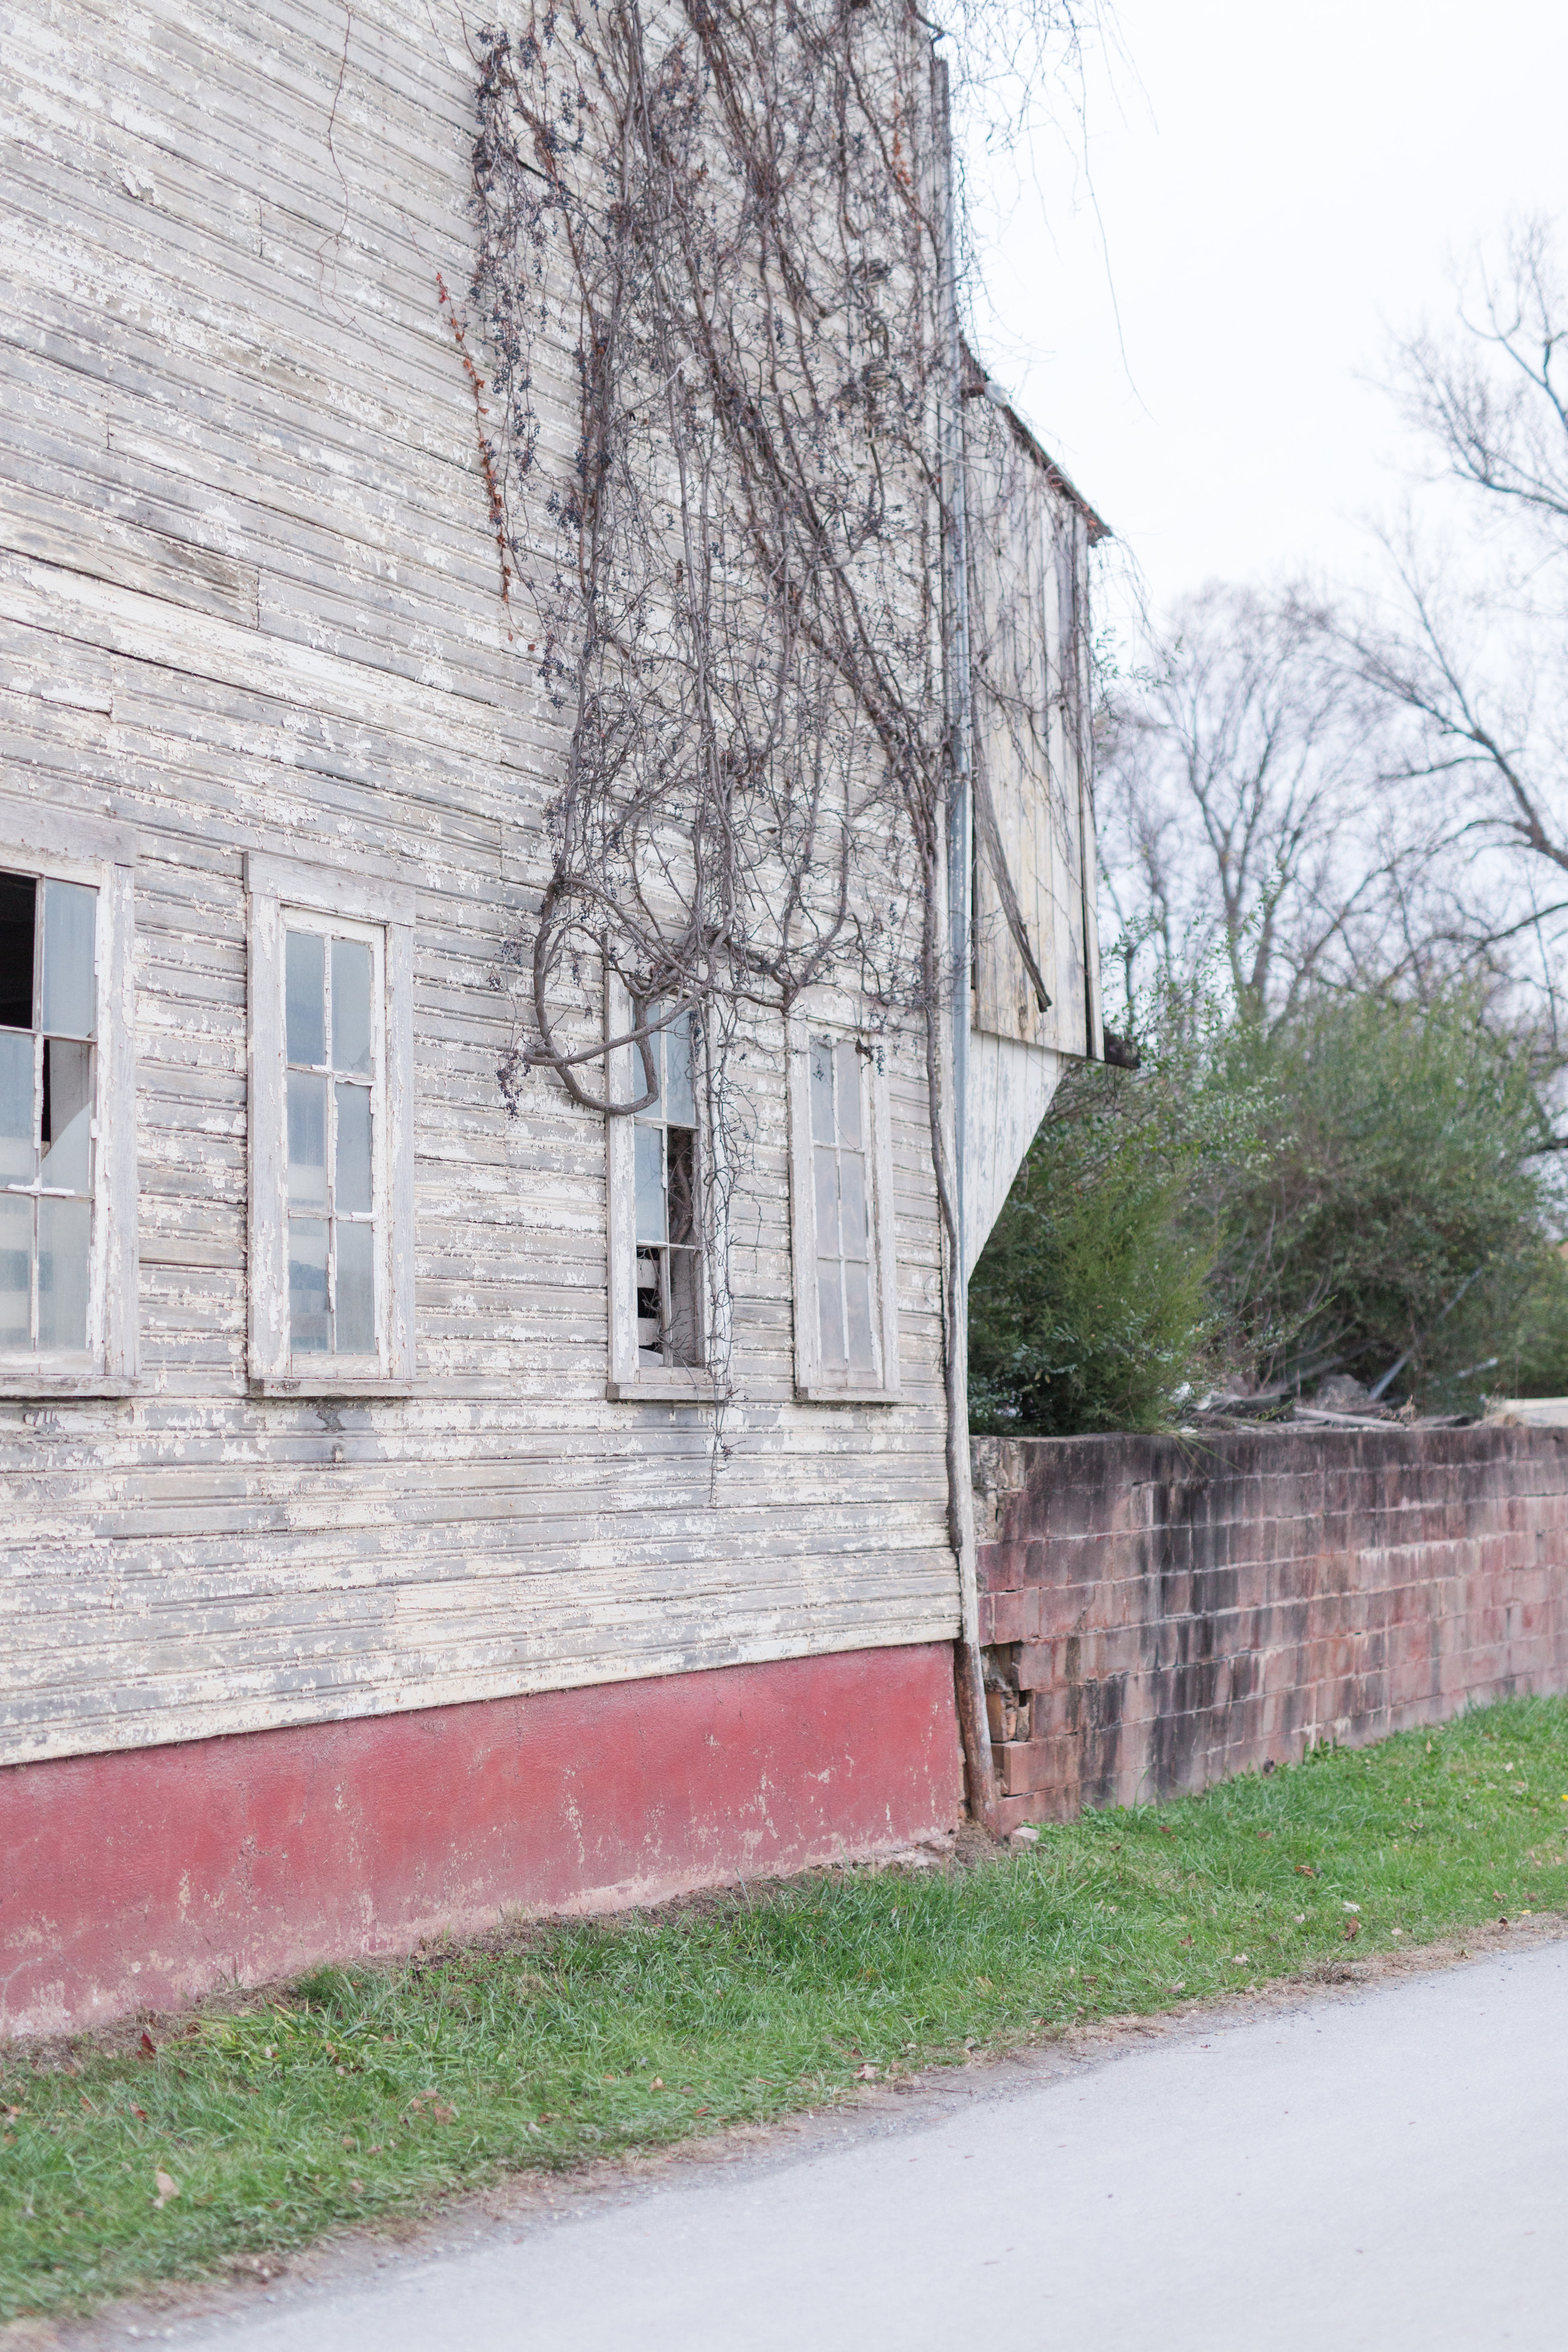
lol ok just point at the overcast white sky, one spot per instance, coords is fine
(1275, 186)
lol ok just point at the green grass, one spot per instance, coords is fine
(370, 2092)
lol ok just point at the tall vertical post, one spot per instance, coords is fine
(960, 711)
(958, 844)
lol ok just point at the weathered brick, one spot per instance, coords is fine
(1025, 1765)
(1002, 1615)
(1179, 1622)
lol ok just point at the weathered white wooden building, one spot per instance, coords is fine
(370, 1558)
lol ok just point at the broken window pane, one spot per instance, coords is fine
(666, 1209)
(681, 1161)
(66, 1128)
(649, 1314)
(351, 1006)
(355, 1319)
(352, 1168)
(64, 1232)
(70, 979)
(49, 997)
(684, 1331)
(304, 998)
(310, 1324)
(649, 1182)
(679, 1102)
(18, 896)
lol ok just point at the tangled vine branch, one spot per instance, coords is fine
(714, 244)
(712, 237)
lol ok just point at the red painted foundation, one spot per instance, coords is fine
(146, 1878)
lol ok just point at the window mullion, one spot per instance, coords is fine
(873, 1211)
(666, 1287)
(330, 1153)
(35, 1304)
(839, 1238)
(666, 1276)
(330, 1146)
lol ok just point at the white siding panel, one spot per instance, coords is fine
(248, 603)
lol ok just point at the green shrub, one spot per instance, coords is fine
(1532, 1360)
(1399, 1207)
(1359, 1184)
(1090, 1308)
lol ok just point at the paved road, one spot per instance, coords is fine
(1388, 2170)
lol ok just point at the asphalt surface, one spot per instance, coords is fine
(1385, 2169)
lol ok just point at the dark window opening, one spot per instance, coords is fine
(48, 1018)
(19, 906)
(667, 1206)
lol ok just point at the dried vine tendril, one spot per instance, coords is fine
(713, 241)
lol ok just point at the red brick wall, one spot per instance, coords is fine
(1161, 1612)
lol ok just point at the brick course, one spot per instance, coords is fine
(1161, 1612)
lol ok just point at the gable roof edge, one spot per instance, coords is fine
(978, 386)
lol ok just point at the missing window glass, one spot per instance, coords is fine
(668, 1240)
(48, 1068)
(18, 901)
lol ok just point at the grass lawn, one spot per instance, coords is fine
(370, 2092)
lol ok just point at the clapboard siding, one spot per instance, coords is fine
(249, 600)
(1027, 550)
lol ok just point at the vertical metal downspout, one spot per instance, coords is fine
(960, 807)
(968, 1668)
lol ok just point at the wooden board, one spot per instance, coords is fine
(248, 602)
(1028, 612)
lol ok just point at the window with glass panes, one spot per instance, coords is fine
(49, 1076)
(841, 1184)
(331, 989)
(668, 1225)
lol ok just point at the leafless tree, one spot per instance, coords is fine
(1241, 808)
(1493, 396)
(1469, 648)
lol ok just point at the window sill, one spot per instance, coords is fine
(50, 1388)
(684, 1386)
(310, 1386)
(817, 1392)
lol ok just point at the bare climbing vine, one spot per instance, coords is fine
(713, 283)
(715, 243)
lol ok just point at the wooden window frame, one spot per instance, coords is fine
(275, 887)
(815, 1383)
(57, 845)
(629, 1381)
